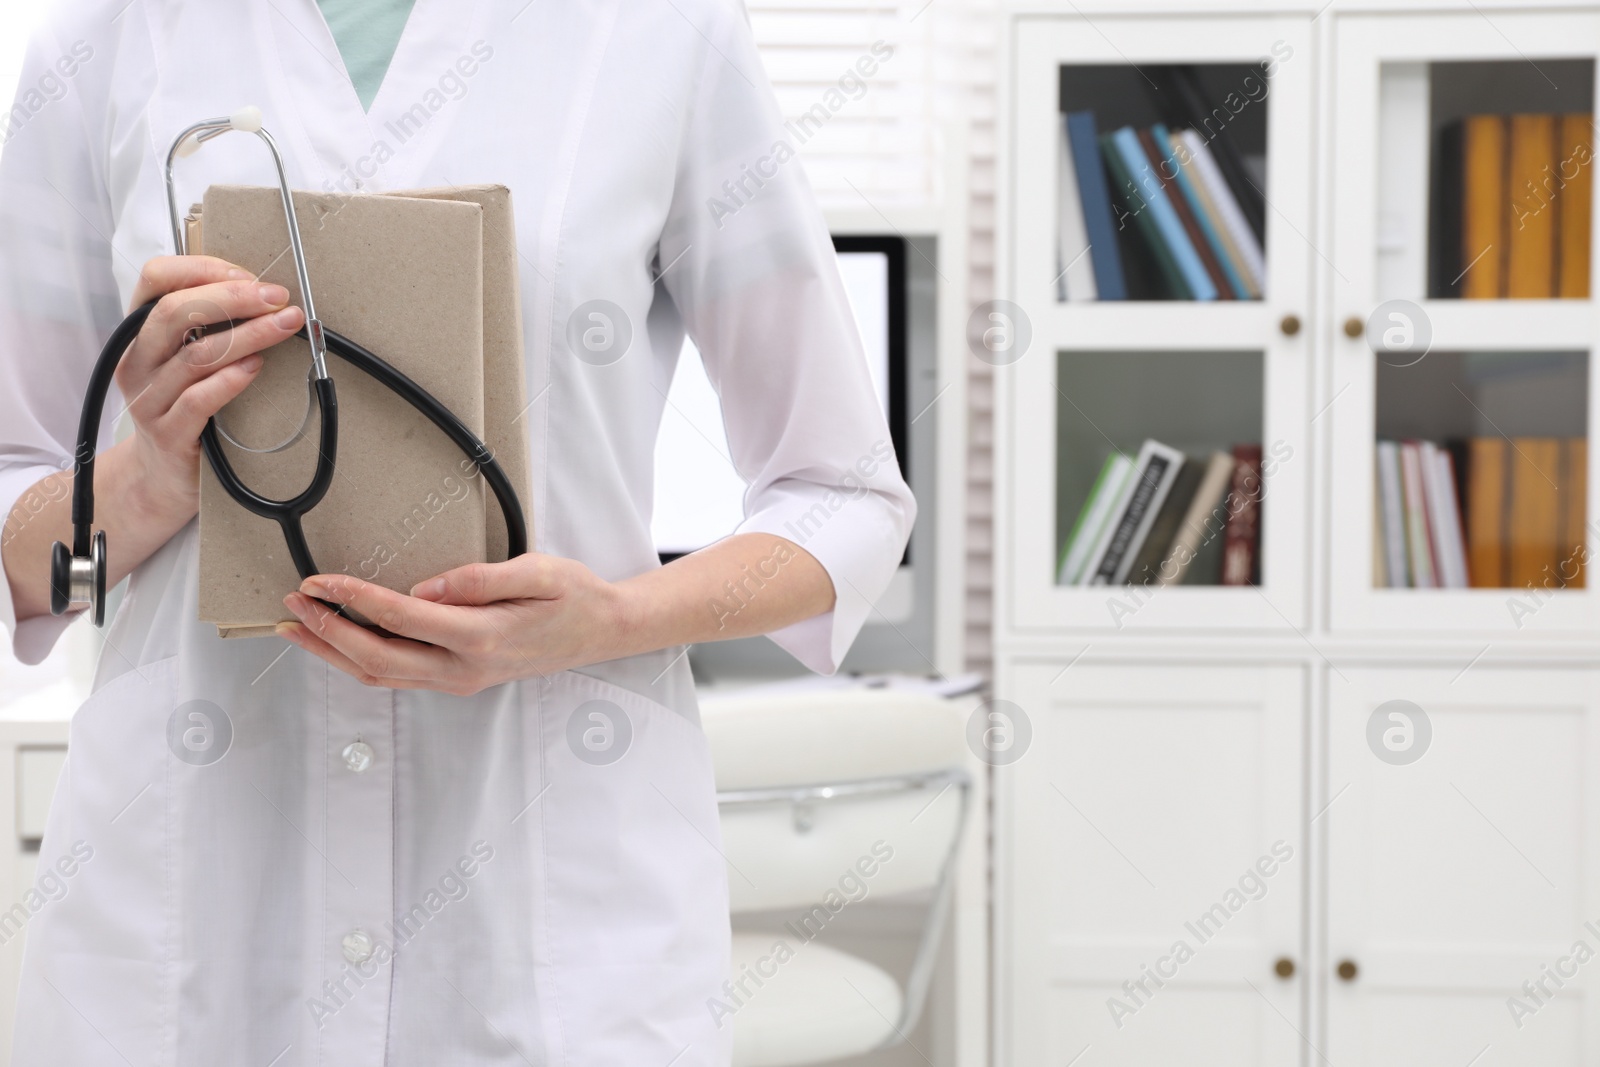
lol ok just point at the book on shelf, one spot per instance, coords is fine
(1075, 278)
(1146, 569)
(1531, 222)
(1241, 557)
(1572, 550)
(1177, 93)
(1163, 518)
(1231, 218)
(1446, 210)
(1201, 528)
(1166, 172)
(1380, 561)
(1574, 205)
(1444, 516)
(1397, 570)
(1512, 207)
(1096, 512)
(1105, 258)
(1169, 229)
(1154, 471)
(1204, 214)
(1140, 218)
(1483, 200)
(1484, 513)
(1535, 513)
(1148, 214)
(1419, 542)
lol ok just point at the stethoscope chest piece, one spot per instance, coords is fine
(79, 579)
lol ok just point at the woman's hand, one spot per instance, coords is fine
(148, 486)
(468, 629)
(487, 623)
(173, 385)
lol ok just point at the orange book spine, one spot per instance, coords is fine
(1574, 513)
(1486, 512)
(1483, 157)
(1531, 224)
(1535, 516)
(1575, 200)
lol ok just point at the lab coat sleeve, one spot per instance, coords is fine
(749, 263)
(58, 296)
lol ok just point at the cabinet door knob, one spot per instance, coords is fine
(1284, 968)
(1354, 327)
(1347, 970)
(1290, 325)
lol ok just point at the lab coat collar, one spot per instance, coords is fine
(438, 36)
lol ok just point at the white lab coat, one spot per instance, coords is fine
(520, 904)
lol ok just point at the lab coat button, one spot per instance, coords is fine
(357, 756)
(357, 946)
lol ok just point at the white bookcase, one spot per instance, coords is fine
(1044, 43)
(1174, 744)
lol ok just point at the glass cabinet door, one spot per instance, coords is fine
(1156, 282)
(1461, 392)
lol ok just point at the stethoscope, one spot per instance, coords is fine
(78, 578)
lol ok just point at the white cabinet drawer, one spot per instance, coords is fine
(37, 771)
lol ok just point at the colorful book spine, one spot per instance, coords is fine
(1575, 165)
(1146, 569)
(1202, 211)
(1104, 500)
(1391, 504)
(1241, 548)
(1574, 545)
(1487, 478)
(1444, 517)
(1531, 214)
(1153, 475)
(1419, 546)
(1203, 524)
(1165, 171)
(1534, 517)
(1483, 165)
(1233, 217)
(1098, 219)
(1075, 280)
(1139, 215)
(1171, 230)
(1512, 207)
(1184, 96)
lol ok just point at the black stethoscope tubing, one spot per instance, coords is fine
(288, 514)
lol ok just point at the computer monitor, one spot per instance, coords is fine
(699, 497)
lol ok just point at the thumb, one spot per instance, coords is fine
(527, 576)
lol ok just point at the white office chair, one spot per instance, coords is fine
(815, 789)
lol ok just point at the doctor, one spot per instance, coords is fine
(412, 850)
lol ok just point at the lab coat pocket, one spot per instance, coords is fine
(96, 942)
(636, 887)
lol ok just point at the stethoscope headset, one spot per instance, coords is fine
(78, 577)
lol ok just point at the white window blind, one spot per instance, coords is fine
(878, 143)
